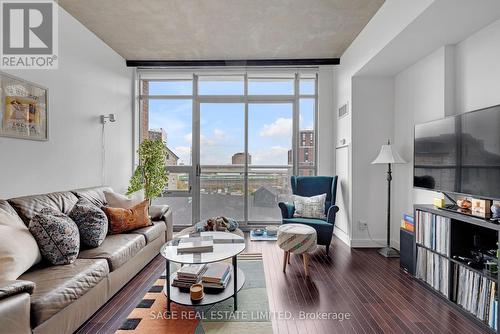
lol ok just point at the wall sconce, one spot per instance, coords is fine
(110, 117)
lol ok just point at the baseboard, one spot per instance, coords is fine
(375, 243)
(344, 237)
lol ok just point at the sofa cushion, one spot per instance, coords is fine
(152, 232)
(18, 249)
(123, 220)
(27, 207)
(116, 249)
(94, 195)
(57, 236)
(91, 221)
(58, 286)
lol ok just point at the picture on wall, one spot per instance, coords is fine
(23, 109)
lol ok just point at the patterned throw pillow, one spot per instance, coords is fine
(57, 236)
(91, 221)
(123, 220)
(310, 207)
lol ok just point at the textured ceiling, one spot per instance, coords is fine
(224, 29)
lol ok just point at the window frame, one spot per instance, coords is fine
(248, 74)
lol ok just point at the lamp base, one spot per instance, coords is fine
(388, 252)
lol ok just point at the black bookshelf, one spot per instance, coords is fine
(461, 232)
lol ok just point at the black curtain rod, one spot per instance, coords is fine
(241, 63)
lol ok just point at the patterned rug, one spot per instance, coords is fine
(252, 316)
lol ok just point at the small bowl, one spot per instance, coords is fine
(196, 292)
(258, 231)
(271, 230)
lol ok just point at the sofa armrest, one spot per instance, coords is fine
(287, 209)
(11, 288)
(15, 306)
(332, 212)
(163, 213)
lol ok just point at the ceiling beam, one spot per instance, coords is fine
(240, 63)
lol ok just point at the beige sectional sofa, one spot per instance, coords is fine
(59, 299)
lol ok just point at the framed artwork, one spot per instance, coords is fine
(23, 109)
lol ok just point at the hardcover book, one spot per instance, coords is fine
(196, 245)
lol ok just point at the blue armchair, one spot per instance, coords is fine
(311, 186)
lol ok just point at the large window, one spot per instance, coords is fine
(233, 139)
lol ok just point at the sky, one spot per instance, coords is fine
(222, 125)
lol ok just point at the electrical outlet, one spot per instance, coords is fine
(362, 225)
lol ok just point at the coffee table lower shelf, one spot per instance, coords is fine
(183, 298)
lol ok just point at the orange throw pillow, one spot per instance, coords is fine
(123, 220)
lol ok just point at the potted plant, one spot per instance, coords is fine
(150, 174)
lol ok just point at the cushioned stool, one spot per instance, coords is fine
(297, 239)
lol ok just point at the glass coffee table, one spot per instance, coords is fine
(226, 245)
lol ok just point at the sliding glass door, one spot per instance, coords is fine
(233, 140)
(270, 143)
(222, 163)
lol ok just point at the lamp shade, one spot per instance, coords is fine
(388, 155)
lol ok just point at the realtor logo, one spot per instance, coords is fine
(29, 34)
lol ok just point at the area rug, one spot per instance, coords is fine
(252, 316)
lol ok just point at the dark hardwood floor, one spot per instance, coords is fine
(374, 291)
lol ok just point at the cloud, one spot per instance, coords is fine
(275, 155)
(184, 154)
(219, 134)
(280, 128)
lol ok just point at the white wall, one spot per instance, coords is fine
(326, 98)
(372, 126)
(477, 69)
(414, 43)
(388, 22)
(91, 80)
(452, 80)
(419, 97)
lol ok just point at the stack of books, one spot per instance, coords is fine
(196, 245)
(407, 223)
(189, 275)
(476, 294)
(216, 276)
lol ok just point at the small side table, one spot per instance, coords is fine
(226, 246)
(297, 239)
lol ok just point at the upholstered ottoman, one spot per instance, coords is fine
(297, 239)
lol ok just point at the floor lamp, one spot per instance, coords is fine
(388, 155)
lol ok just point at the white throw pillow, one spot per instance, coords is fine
(18, 248)
(309, 207)
(116, 200)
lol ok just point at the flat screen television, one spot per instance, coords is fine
(460, 154)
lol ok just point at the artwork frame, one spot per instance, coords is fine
(24, 109)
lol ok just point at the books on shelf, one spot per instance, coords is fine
(433, 231)
(407, 223)
(217, 275)
(433, 269)
(204, 244)
(476, 294)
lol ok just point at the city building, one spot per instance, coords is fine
(306, 153)
(239, 158)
